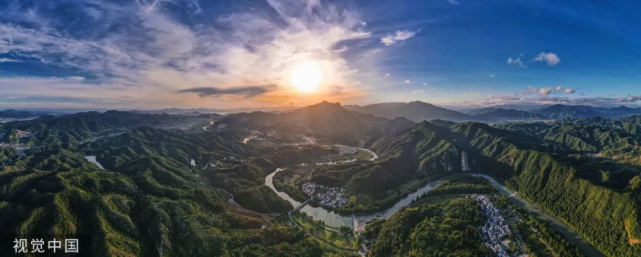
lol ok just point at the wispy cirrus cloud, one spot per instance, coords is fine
(516, 61)
(148, 46)
(453, 2)
(400, 35)
(8, 60)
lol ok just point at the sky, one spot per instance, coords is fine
(139, 54)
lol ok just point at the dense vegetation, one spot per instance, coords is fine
(460, 184)
(606, 217)
(150, 200)
(167, 192)
(539, 235)
(15, 114)
(448, 229)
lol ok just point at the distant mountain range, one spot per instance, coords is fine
(505, 114)
(192, 111)
(560, 111)
(418, 111)
(14, 114)
(324, 120)
(415, 111)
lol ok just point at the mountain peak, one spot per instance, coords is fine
(326, 103)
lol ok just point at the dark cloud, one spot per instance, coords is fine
(245, 91)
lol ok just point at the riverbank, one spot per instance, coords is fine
(563, 228)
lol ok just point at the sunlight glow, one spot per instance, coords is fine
(306, 77)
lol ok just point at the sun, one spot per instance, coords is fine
(306, 77)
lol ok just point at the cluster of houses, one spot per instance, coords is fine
(336, 162)
(21, 148)
(327, 196)
(18, 147)
(343, 149)
(495, 228)
(22, 133)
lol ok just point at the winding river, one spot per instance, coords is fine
(334, 219)
(558, 225)
(358, 222)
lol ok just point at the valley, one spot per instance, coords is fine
(319, 187)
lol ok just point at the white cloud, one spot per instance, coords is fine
(569, 91)
(559, 88)
(418, 91)
(7, 60)
(550, 58)
(628, 99)
(424, 84)
(516, 61)
(490, 75)
(408, 81)
(453, 2)
(156, 51)
(545, 91)
(400, 35)
(387, 74)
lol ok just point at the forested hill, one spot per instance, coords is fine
(168, 191)
(411, 154)
(327, 122)
(71, 130)
(597, 197)
(506, 114)
(416, 111)
(556, 166)
(614, 138)
(14, 114)
(150, 200)
(95, 121)
(560, 111)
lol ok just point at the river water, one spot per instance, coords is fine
(541, 214)
(358, 222)
(92, 158)
(336, 220)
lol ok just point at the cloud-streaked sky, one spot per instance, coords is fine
(239, 53)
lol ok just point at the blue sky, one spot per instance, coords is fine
(239, 53)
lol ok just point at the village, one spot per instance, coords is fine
(326, 196)
(496, 231)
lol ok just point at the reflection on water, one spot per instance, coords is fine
(92, 158)
(335, 220)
